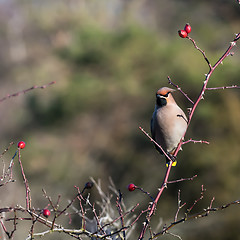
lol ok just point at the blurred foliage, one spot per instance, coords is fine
(108, 59)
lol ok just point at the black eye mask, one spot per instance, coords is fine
(161, 101)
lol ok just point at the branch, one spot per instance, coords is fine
(207, 78)
(182, 179)
(120, 211)
(28, 196)
(8, 173)
(179, 206)
(152, 140)
(26, 90)
(197, 200)
(152, 207)
(10, 144)
(178, 88)
(195, 141)
(224, 87)
(201, 51)
(203, 213)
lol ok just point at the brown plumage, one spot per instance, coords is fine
(169, 122)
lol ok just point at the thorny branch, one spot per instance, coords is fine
(224, 87)
(180, 206)
(26, 90)
(195, 141)
(203, 213)
(179, 89)
(7, 174)
(182, 179)
(192, 110)
(28, 196)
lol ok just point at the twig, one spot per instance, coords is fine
(178, 88)
(82, 213)
(201, 51)
(26, 90)
(28, 196)
(145, 192)
(179, 206)
(97, 219)
(120, 211)
(224, 87)
(182, 179)
(92, 207)
(195, 141)
(211, 203)
(10, 144)
(8, 173)
(122, 216)
(4, 228)
(175, 235)
(71, 202)
(47, 197)
(152, 140)
(203, 213)
(197, 200)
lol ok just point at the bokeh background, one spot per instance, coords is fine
(108, 58)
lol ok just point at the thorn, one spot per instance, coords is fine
(189, 110)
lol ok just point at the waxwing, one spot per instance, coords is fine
(169, 122)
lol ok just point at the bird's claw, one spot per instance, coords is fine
(173, 158)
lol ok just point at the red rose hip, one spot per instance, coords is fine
(187, 28)
(182, 33)
(131, 187)
(21, 144)
(46, 213)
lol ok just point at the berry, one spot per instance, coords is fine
(182, 33)
(21, 144)
(89, 185)
(46, 213)
(131, 187)
(187, 28)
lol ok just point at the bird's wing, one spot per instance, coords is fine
(152, 128)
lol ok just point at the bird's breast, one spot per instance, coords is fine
(170, 125)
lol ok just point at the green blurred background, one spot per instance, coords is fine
(108, 58)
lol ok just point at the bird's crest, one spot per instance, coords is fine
(164, 91)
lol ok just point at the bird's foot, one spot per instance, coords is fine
(174, 164)
(173, 158)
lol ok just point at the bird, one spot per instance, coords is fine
(168, 123)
